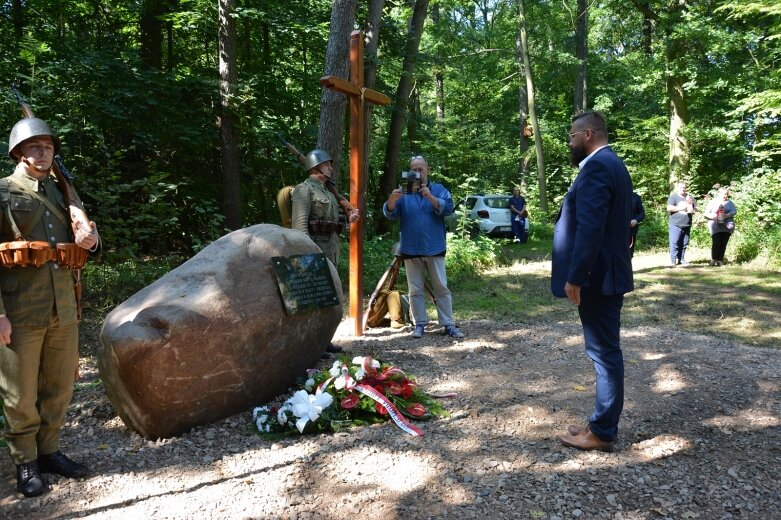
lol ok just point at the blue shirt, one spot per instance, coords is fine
(422, 225)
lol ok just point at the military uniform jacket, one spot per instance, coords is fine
(313, 201)
(29, 295)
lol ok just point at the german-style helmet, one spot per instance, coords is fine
(314, 158)
(27, 128)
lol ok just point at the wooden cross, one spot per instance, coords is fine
(359, 95)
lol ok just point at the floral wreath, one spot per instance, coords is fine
(364, 391)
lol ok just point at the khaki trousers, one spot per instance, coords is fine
(36, 383)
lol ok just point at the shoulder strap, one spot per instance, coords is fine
(5, 200)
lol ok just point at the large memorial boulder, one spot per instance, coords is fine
(214, 336)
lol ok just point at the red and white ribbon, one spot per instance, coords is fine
(399, 419)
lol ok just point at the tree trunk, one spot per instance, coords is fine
(228, 121)
(17, 15)
(679, 120)
(581, 54)
(679, 159)
(337, 63)
(151, 27)
(439, 77)
(391, 163)
(169, 27)
(372, 35)
(413, 111)
(533, 112)
(523, 116)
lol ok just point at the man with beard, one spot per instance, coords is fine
(592, 268)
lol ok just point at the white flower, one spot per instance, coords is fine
(282, 414)
(359, 361)
(257, 411)
(308, 407)
(336, 369)
(260, 423)
(359, 373)
(344, 381)
(310, 383)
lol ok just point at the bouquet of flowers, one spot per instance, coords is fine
(349, 393)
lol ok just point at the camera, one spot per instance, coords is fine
(411, 176)
(413, 181)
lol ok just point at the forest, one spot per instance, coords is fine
(170, 110)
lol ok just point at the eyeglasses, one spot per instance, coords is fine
(573, 134)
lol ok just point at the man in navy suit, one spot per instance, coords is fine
(593, 269)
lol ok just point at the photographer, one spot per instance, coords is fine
(422, 207)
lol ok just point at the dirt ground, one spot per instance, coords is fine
(700, 438)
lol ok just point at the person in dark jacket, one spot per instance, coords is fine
(638, 215)
(591, 267)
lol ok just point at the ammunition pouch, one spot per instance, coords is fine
(71, 256)
(22, 253)
(325, 227)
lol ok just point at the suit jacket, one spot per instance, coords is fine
(591, 236)
(638, 213)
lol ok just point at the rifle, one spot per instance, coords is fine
(347, 208)
(64, 177)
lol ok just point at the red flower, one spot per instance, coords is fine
(350, 401)
(407, 389)
(393, 387)
(417, 409)
(380, 409)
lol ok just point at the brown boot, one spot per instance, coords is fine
(576, 430)
(586, 441)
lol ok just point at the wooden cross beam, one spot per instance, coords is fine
(359, 95)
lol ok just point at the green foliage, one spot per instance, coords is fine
(469, 256)
(116, 278)
(144, 143)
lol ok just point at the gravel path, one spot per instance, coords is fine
(700, 438)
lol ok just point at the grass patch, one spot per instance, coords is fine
(738, 302)
(734, 301)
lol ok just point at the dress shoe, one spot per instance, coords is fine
(576, 430)
(334, 349)
(586, 441)
(29, 481)
(58, 463)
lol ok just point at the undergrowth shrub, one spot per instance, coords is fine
(469, 256)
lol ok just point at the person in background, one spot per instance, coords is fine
(518, 216)
(638, 215)
(39, 355)
(591, 267)
(315, 211)
(681, 207)
(423, 245)
(720, 213)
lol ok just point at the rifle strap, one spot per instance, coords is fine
(58, 212)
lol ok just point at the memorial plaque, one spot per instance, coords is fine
(305, 282)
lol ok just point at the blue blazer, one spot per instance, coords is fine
(591, 236)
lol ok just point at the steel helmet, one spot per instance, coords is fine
(314, 158)
(27, 128)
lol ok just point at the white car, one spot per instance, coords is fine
(491, 212)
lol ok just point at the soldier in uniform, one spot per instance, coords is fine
(316, 210)
(38, 309)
